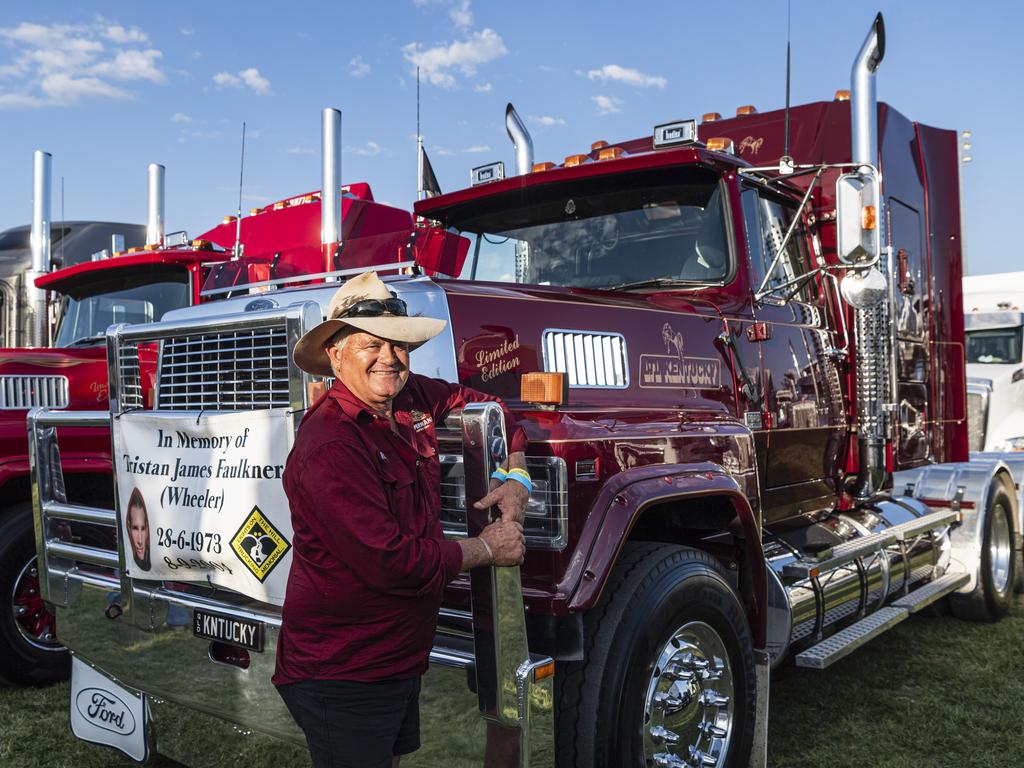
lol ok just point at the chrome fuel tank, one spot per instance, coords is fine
(805, 609)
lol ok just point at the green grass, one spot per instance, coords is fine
(933, 692)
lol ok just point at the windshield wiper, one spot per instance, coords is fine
(87, 340)
(653, 282)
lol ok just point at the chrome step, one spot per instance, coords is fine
(841, 554)
(932, 591)
(843, 643)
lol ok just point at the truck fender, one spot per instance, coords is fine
(973, 482)
(1014, 461)
(622, 500)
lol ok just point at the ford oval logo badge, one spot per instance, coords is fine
(105, 710)
(257, 304)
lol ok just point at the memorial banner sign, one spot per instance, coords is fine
(201, 498)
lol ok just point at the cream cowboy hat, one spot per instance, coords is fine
(365, 303)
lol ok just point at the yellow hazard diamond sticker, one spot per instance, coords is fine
(259, 545)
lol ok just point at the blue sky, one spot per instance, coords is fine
(109, 87)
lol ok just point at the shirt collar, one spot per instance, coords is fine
(353, 407)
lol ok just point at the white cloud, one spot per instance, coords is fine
(115, 33)
(180, 117)
(545, 121)
(62, 64)
(483, 88)
(607, 105)
(371, 149)
(461, 16)
(442, 151)
(187, 31)
(626, 75)
(251, 78)
(296, 150)
(358, 68)
(477, 149)
(131, 65)
(464, 56)
(64, 89)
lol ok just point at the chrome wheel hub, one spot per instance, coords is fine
(1000, 550)
(34, 621)
(688, 710)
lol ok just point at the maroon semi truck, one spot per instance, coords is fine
(742, 381)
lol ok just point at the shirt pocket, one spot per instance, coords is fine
(400, 485)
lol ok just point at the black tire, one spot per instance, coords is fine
(991, 597)
(23, 661)
(654, 591)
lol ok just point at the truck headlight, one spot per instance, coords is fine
(546, 525)
(1010, 444)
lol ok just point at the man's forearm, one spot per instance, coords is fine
(474, 553)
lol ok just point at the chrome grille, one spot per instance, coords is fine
(21, 392)
(589, 359)
(230, 370)
(129, 378)
(977, 416)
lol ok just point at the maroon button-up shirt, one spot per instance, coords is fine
(369, 560)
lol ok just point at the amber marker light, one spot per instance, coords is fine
(229, 220)
(869, 217)
(720, 144)
(710, 117)
(544, 671)
(599, 144)
(746, 109)
(254, 211)
(574, 160)
(610, 153)
(538, 167)
(542, 388)
(842, 95)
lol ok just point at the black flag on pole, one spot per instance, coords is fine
(428, 181)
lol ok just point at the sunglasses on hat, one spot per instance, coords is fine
(376, 308)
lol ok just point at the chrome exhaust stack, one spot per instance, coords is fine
(520, 140)
(874, 386)
(155, 217)
(330, 186)
(37, 332)
(863, 102)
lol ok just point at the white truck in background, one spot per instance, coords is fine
(994, 326)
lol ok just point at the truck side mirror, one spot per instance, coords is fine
(857, 236)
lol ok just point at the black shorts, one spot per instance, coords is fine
(356, 725)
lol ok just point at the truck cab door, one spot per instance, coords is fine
(802, 399)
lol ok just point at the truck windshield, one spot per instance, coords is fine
(994, 345)
(637, 230)
(85, 319)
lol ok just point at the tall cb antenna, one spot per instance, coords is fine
(419, 143)
(237, 252)
(786, 162)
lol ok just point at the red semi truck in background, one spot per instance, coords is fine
(279, 242)
(742, 378)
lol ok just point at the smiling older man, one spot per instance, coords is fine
(369, 559)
